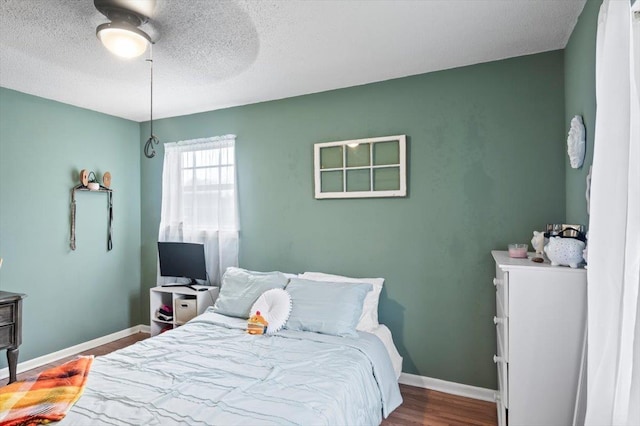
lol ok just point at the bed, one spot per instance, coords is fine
(210, 371)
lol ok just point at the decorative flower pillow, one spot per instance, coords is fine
(274, 306)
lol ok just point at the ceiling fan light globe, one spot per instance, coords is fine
(122, 41)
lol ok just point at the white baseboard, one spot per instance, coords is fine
(453, 388)
(63, 353)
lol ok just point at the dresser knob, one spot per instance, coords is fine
(497, 359)
(497, 320)
(496, 282)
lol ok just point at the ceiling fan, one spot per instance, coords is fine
(122, 35)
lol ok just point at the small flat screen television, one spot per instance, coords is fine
(185, 260)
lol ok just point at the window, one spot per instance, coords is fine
(208, 185)
(199, 200)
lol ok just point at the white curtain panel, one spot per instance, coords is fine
(613, 371)
(199, 201)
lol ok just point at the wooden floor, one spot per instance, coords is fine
(97, 351)
(427, 407)
(420, 406)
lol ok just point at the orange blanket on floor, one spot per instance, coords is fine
(46, 397)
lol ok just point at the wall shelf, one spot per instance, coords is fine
(83, 188)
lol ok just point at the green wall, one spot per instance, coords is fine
(487, 164)
(580, 99)
(486, 167)
(73, 296)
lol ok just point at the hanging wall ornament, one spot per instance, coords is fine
(89, 181)
(576, 142)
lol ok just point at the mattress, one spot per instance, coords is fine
(210, 371)
(384, 334)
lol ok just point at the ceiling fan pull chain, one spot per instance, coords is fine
(149, 152)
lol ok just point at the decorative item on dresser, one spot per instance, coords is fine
(11, 328)
(540, 320)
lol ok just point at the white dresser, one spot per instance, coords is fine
(540, 320)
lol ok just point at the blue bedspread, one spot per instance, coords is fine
(210, 372)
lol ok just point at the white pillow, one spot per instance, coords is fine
(275, 306)
(369, 318)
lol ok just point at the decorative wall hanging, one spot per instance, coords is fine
(361, 168)
(89, 182)
(576, 142)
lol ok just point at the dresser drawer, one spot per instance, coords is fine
(7, 314)
(503, 380)
(7, 336)
(502, 328)
(501, 283)
(503, 342)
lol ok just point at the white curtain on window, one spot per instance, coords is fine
(199, 201)
(613, 372)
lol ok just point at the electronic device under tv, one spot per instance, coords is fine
(183, 260)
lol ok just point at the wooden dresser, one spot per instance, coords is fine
(11, 328)
(540, 324)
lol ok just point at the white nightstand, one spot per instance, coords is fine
(195, 303)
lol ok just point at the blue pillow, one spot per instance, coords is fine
(240, 289)
(327, 307)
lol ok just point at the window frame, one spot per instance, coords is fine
(371, 193)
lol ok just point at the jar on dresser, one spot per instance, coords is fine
(540, 324)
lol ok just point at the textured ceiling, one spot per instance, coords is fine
(215, 54)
